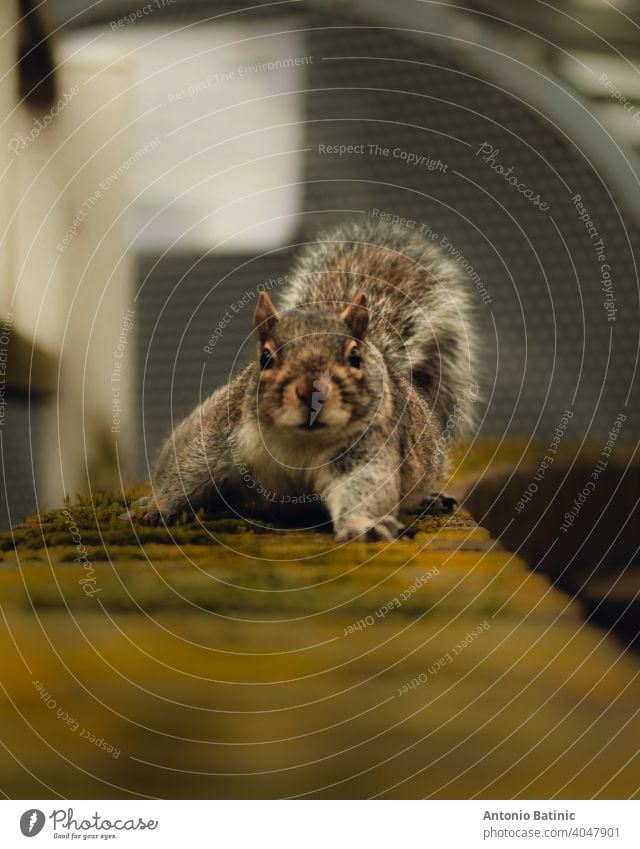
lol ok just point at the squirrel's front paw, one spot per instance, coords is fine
(153, 516)
(366, 529)
(134, 512)
(147, 511)
(157, 512)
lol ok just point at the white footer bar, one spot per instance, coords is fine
(319, 824)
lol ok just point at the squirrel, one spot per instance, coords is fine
(358, 380)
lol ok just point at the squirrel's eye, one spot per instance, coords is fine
(354, 358)
(266, 359)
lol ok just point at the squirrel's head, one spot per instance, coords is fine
(315, 370)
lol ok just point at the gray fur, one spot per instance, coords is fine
(420, 305)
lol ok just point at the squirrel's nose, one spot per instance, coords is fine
(304, 391)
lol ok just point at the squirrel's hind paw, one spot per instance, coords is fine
(439, 502)
(364, 529)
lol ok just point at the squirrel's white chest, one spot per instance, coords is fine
(282, 463)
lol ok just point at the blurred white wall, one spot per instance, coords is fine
(66, 274)
(215, 114)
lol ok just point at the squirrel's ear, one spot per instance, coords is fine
(356, 316)
(265, 317)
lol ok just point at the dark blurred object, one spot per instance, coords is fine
(37, 78)
(583, 532)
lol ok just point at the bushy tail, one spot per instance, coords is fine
(418, 300)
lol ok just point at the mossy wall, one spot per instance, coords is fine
(214, 660)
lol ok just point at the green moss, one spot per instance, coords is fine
(99, 524)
